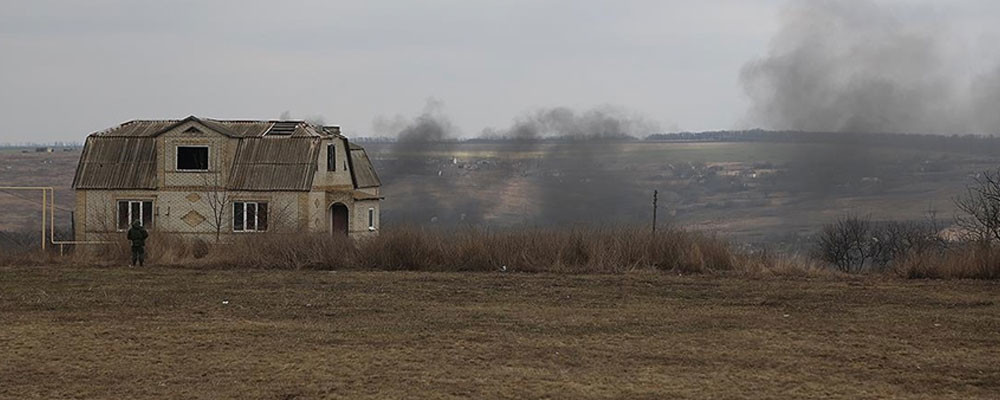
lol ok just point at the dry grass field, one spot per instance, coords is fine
(21, 210)
(74, 332)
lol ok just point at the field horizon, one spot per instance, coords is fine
(775, 193)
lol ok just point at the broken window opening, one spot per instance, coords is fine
(331, 157)
(192, 158)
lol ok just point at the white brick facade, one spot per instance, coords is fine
(182, 202)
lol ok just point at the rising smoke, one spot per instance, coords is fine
(571, 171)
(857, 66)
(428, 189)
(582, 154)
(604, 122)
(986, 101)
(432, 125)
(317, 120)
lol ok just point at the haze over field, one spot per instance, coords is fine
(858, 66)
(534, 199)
(586, 71)
(71, 68)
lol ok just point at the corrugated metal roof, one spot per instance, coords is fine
(136, 129)
(244, 128)
(117, 163)
(362, 170)
(124, 157)
(359, 195)
(275, 163)
(231, 128)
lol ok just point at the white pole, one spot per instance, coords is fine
(43, 218)
(48, 194)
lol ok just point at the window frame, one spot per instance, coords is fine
(331, 157)
(244, 206)
(142, 210)
(208, 157)
(371, 218)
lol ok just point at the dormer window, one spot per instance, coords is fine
(331, 157)
(192, 158)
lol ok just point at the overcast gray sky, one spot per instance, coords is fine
(68, 68)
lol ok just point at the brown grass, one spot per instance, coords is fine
(574, 251)
(969, 261)
(74, 332)
(611, 250)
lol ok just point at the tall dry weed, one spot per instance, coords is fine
(978, 260)
(578, 250)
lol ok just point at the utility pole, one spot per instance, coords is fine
(655, 195)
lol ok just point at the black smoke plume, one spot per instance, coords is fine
(423, 185)
(571, 171)
(563, 123)
(581, 155)
(858, 66)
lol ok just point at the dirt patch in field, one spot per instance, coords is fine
(156, 333)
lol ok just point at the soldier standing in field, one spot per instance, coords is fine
(137, 235)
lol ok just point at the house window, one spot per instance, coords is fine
(331, 157)
(192, 158)
(249, 216)
(371, 219)
(134, 210)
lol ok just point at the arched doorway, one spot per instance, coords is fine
(338, 219)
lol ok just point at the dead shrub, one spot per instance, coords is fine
(282, 251)
(578, 250)
(976, 260)
(762, 264)
(979, 207)
(404, 249)
(857, 244)
(34, 257)
(582, 250)
(849, 244)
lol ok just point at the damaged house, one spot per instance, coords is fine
(216, 178)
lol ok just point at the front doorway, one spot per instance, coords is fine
(338, 219)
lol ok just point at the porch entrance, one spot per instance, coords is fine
(338, 219)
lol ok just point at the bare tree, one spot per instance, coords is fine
(849, 244)
(896, 239)
(854, 244)
(980, 207)
(280, 217)
(218, 197)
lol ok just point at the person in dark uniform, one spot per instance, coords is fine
(137, 235)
